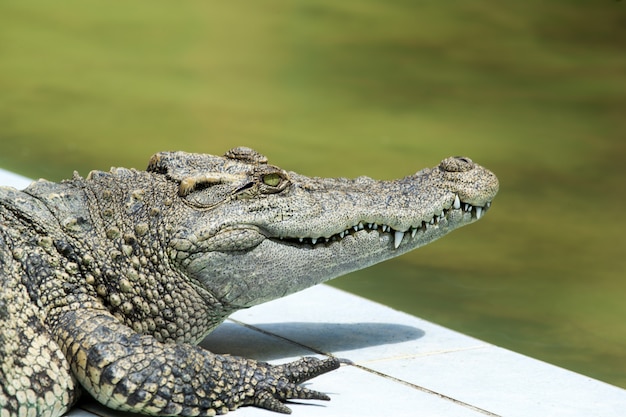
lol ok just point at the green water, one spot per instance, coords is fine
(534, 91)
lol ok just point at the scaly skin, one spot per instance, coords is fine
(109, 282)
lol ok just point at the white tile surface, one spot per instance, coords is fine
(402, 349)
(347, 323)
(13, 180)
(404, 366)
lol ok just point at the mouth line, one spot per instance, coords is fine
(398, 235)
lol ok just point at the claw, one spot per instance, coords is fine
(307, 368)
(265, 399)
(273, 400)
(281, 383)
(302, 393)
(344, 361)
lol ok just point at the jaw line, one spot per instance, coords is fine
(457, 214)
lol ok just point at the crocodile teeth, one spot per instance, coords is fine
(457, 202)
(397, 238)
(476, 212)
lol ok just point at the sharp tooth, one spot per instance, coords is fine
(468, 207)
(479, 212)
(413, 231)
(356, 228)
(385, 228)
(314, 240)
(360, 226)
(342, 234)
(301, 240)
(374, 226)
(432, 221)
(457, 202)
(397, 239)
(370, 225)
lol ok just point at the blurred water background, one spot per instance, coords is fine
(534, 90)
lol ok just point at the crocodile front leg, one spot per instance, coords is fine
(35, 377)
(132, 372)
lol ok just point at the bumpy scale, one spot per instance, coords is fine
(108, 283)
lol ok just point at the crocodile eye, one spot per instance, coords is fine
(273, 179)
(272, 182)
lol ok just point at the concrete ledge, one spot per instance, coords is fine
(404, 366)
(13, 180)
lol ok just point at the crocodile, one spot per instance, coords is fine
(109, 282)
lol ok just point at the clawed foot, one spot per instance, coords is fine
(281, 383)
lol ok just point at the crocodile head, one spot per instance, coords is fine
(249, 232)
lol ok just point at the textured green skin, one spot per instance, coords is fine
(109, 282)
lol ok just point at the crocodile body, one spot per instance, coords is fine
(107, 283)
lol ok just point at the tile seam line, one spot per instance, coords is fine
(426, 354)
(369, 370)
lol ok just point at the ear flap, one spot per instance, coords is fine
(189, 184)
(200, 172)
(179, 165)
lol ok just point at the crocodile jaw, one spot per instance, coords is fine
(280, 266)
(310, 235)
(429, 228)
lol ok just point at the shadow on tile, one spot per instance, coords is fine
(260, 341)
